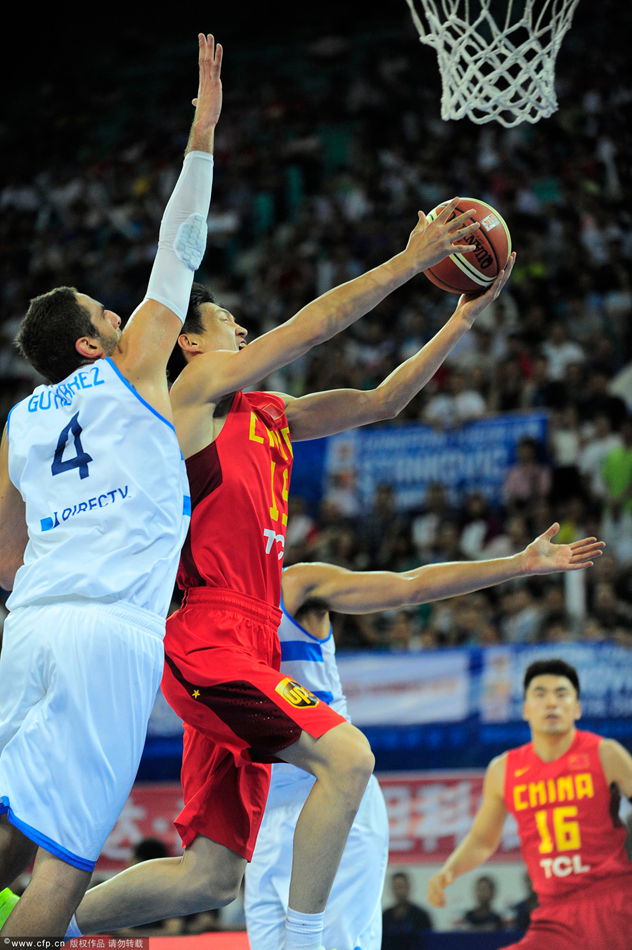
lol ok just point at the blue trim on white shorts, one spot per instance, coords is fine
(300, 650)
(83, 864)
(325, 695)
(108, 359)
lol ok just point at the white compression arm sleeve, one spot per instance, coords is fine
(182, 239)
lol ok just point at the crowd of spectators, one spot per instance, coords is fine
(323, 157)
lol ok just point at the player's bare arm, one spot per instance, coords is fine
(150, 334)
(359, 592)
(617, 765)
(13, 534)
(320, 414)
(212, 375)
(483, 837)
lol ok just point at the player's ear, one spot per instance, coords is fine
(89, 347)
(188, 343)
(578, 713)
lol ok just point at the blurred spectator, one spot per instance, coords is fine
(528, 479)
(301, 529)
(564, 443)
(521, 615)
(560, 350)
(426, 524)
(377, 533)
(521, 912)
(617, 476)
(401, 633)
(482, 916)
(479, 524)
(597, 443)
(404, 923)
(597, 400)
(458, 403)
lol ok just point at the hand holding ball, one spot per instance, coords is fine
(473, 272)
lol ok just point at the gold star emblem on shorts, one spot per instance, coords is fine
(195, 693)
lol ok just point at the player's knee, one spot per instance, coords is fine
(351, 757)
(212, 886)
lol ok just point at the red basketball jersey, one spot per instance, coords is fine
(239, 495)
(570, 832)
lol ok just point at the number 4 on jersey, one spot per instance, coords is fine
(80, 460)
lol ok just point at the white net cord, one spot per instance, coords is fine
(495, 67)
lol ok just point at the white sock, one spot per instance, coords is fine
(303, 931)
(73, 929)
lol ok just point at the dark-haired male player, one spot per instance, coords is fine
(94, 507)
(222, 650)
(563, 788)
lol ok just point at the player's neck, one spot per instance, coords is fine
(551, 747)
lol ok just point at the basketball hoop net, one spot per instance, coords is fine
(495, 67)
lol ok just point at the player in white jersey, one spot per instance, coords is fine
(94, 508)
(353, 915)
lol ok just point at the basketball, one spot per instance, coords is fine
(473, 273)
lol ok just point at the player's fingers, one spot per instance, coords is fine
(447, 210)
(552, 531)
(219, 55)
(462, 248)
(462, 219)
(468, 229)
(582, 542)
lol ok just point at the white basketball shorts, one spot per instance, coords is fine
(353, 915)
(77, 686)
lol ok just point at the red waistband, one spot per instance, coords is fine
(222, 597)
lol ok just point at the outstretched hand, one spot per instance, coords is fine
(432, 241)
(208, 102)
(544, 557)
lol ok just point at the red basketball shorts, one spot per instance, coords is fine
(222, 679)
(598, 918)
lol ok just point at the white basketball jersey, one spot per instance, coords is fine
(312, 662)
(106, 493)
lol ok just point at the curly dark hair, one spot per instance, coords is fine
(49, 330)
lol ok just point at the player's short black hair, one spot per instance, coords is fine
(49, 330)
(552, 667)
(199, 295)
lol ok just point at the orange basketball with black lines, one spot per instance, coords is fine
(473, 273)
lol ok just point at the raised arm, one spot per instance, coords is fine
(215, 374)
(325, 413)
(153, 329)
(481, 840)
(13, 534)
(362, 592)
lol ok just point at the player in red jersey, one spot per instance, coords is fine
(222, 666)
(564, 789)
